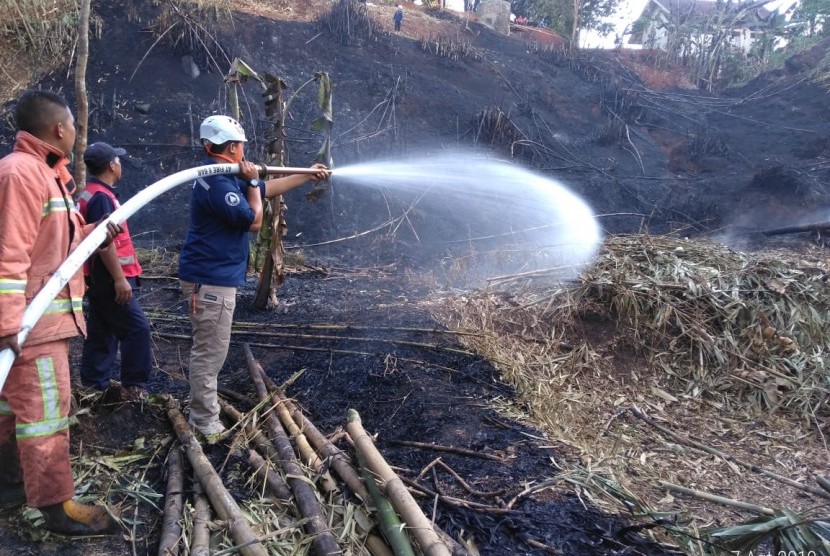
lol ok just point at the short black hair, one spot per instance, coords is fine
(37, 110)
(96, 169)
(221, 147)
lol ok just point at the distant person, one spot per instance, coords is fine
(213, 262)
(115, 316)
(38, 229)
(398, 18)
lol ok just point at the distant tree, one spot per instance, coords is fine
(569, 17)
(810, 18)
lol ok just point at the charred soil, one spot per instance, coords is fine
(648, 158)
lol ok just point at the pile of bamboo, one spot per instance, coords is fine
(302, 470)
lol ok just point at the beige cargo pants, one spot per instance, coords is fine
(211, 314)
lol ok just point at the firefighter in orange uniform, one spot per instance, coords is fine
(39, 227)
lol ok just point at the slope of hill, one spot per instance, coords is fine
(646, 160)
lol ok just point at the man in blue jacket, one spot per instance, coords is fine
(224, 209)
(398, 18)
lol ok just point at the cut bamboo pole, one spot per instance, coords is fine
(171, 529)
(255, 437)
(390, 523)
(224, 504)
(304, 448)
(718, 499)
(338, 460)
(309, 506)
(416, 522)
(377, 546)
(273, 481)
(200, 539)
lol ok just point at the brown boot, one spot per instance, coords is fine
(72, 518)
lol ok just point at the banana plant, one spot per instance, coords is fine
(269, 253)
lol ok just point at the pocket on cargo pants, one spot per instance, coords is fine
(211, 315)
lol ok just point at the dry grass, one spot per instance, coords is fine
(715, 344)
(36, 37)
(193, 26)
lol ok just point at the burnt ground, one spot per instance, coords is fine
(640, 144)
(402, 392)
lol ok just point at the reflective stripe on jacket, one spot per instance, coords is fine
(39, 230)
(123, 242)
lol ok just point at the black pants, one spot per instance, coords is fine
(108, 325)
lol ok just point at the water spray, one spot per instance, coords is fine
(93, 241)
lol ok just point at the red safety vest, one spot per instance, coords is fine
(123, 243)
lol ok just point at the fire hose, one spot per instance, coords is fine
(93, 241)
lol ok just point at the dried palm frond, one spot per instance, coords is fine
(786, 531)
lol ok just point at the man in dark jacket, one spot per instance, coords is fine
(398, 18)
(213, 262)
(115, 317)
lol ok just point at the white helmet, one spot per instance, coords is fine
(221, 129)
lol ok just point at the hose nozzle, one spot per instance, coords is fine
(265, 171)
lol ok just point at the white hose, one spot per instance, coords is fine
(91, 243)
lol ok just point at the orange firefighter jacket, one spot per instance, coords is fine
(39, 227)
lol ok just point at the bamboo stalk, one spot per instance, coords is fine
(718, 499)
(305, 450)
(273, 481)
(377, 546)
(336, 339)
(259, 325)
(715, 452)
(255, 437)
(220, 498)
(390, 523)
(324, 542)
(171, 529)
(260, 466)
(420, 527)
(338, 460)
(200, 539)
(449, 449)
(292, 347)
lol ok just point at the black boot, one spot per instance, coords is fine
(11, 478)
(72, 518)
(12, 495)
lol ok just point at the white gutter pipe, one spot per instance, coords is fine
(94, 240)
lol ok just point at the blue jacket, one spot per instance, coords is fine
(216, 249)
(398, 16)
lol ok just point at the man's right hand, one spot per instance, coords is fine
(10, 342)
(248, 170)
(123, 291)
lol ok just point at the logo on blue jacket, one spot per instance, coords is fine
(232, 199)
